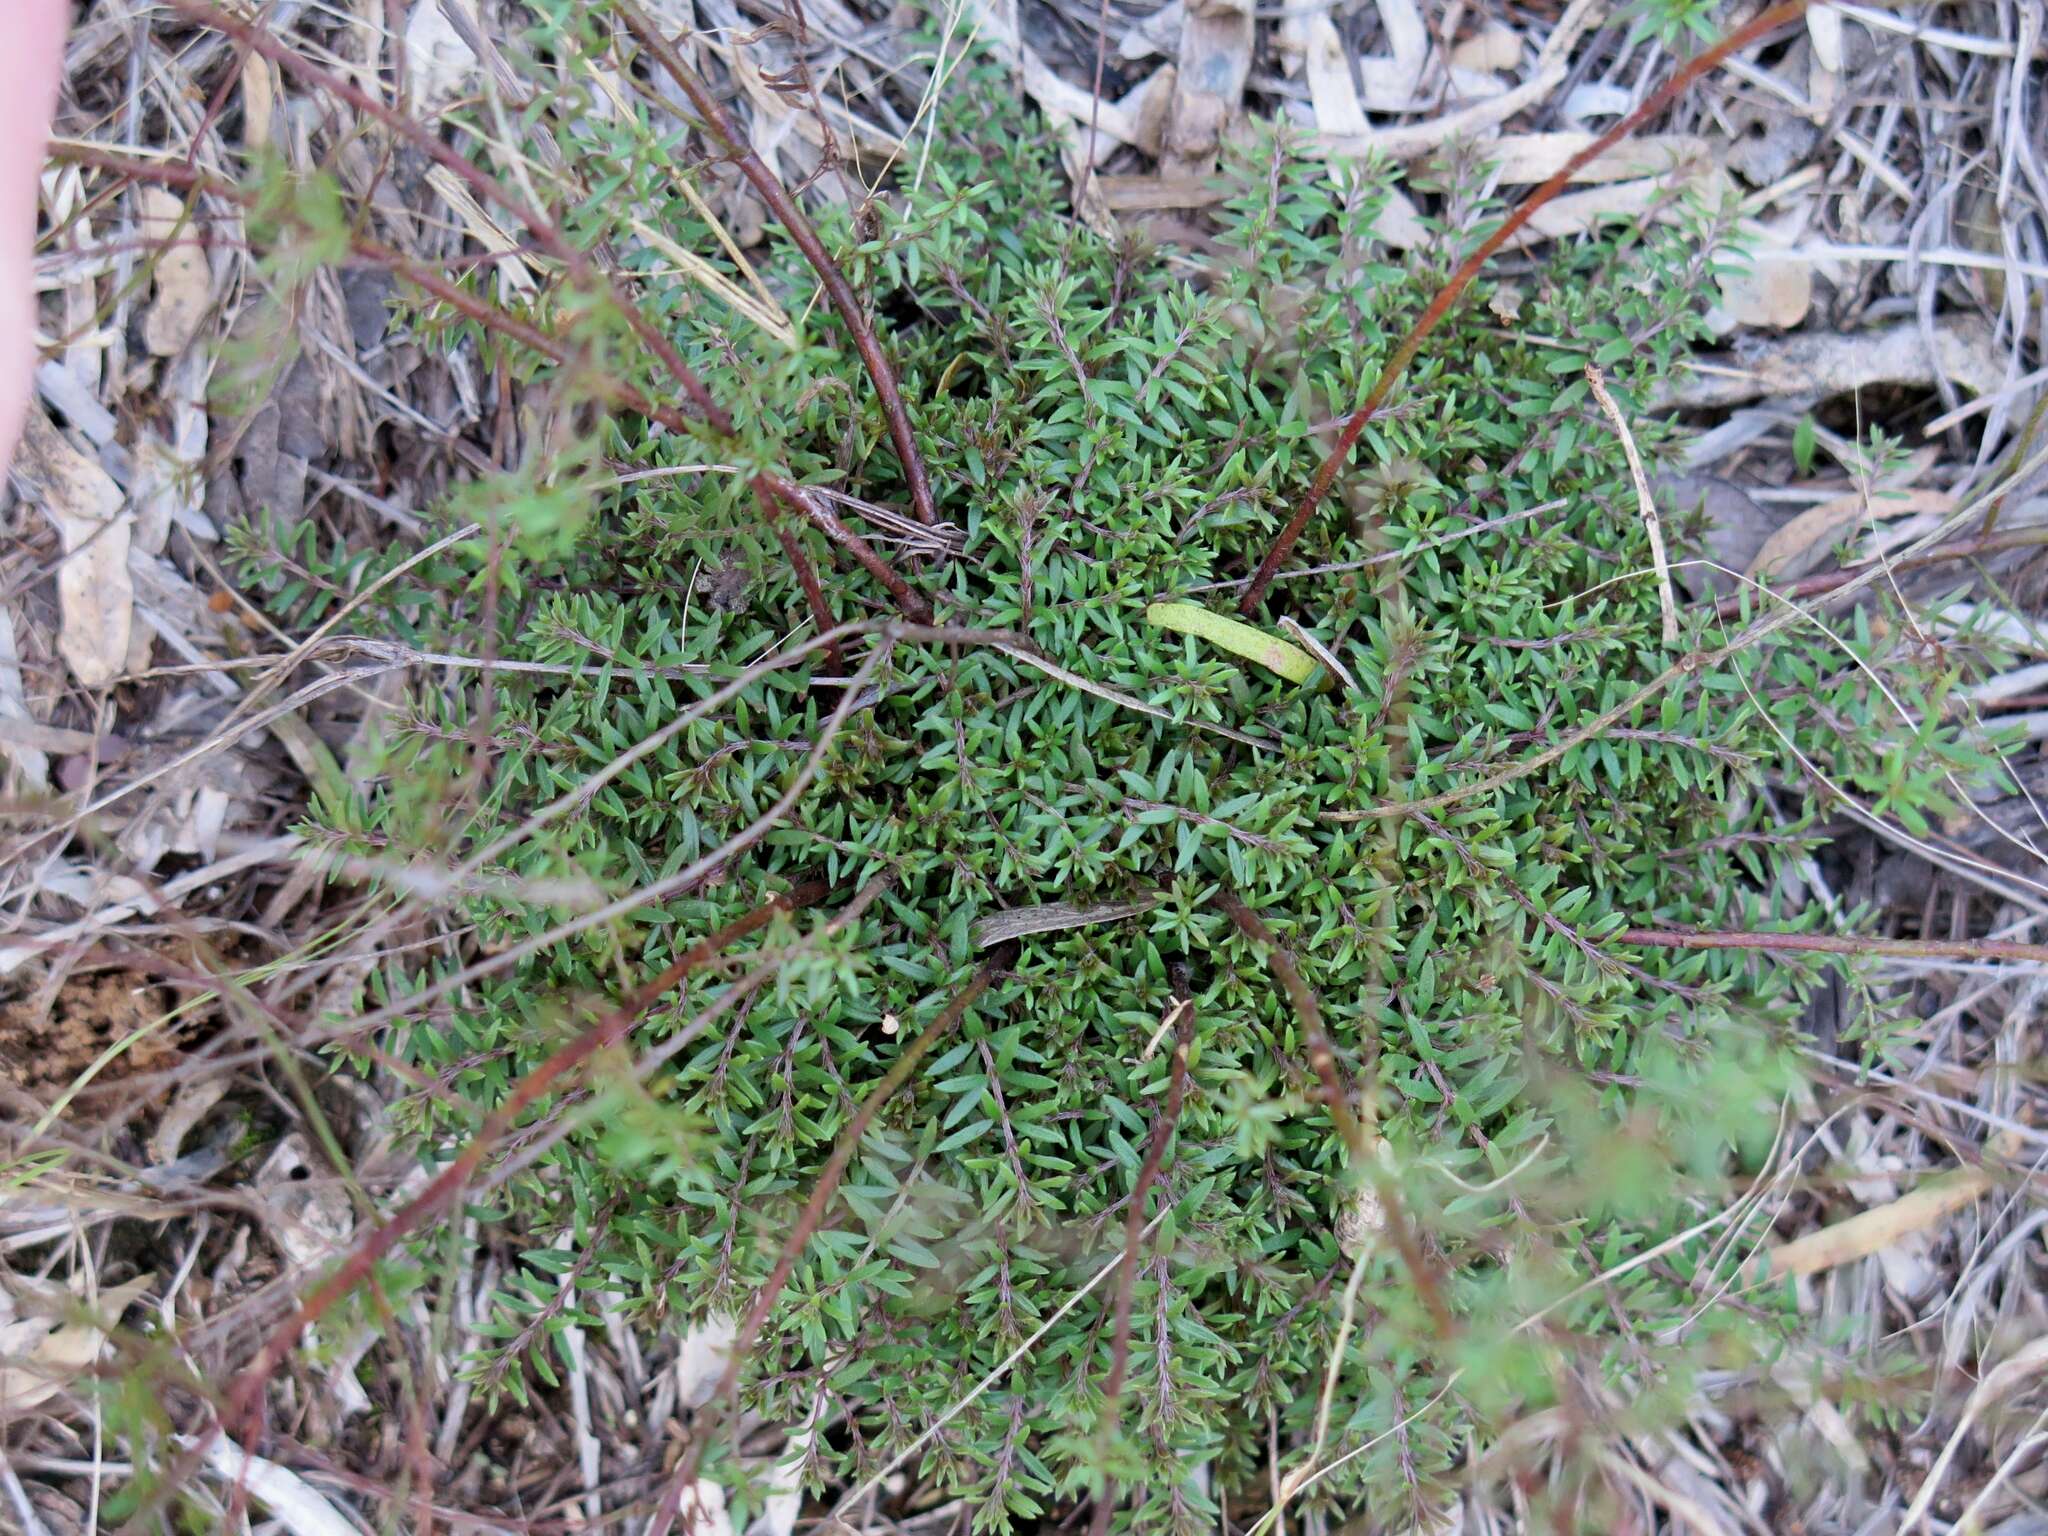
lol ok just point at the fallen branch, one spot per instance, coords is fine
(1872, 1231)
(1761, 26)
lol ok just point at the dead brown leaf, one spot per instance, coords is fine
(95, 594)
(1804, 543)
(43, 1345)
(184, 283)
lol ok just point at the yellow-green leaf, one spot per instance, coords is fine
(1290, 661)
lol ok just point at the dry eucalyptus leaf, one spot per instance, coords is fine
(95, 595)
(703, 1512)
(1314, 41)
(439, 63)
(1805, 542)
(1497, 49)
(1052, 917)
(1824, 363)
(31, 762)
(1769, 291)
(1824, 31)
(1215, 58)
(1522, 158)
(296, 1504)
(701, 1359)
(1157, 33)
(259, 101)
(1574, 213)
(43, 1349)
(184, 283)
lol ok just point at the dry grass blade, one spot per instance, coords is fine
(1646, 504)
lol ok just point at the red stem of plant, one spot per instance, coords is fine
(1134, 1224)
(813, 1214)
(805, 234)
(814, 595)
(363, 1259)
(1772, 19)
(911, 601)
(1834, 944)
(1323, 1059)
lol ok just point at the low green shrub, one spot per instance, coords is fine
(1109, 425)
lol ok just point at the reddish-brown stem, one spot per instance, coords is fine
(1962, 549)
(1322, 1059)
(814, 595)
(1835, 944)
(1772, 19)
(1134, 1224)
(805, 234)
(813, 1214)
(363, 1259)
(546, 235)
(909, 599)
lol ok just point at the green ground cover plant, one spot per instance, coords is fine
(1117, 893)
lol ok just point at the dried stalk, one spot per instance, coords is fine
(1646, 504)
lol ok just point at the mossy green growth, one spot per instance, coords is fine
(1109, 426)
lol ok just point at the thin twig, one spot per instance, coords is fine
(1834, 944)
(1962, 549)
(1646, 504)
(1764, 24)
